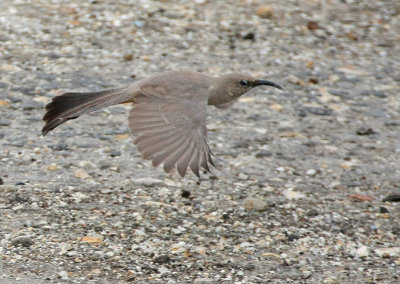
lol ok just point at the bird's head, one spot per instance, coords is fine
(232, 86)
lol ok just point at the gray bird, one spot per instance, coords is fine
(168, 115)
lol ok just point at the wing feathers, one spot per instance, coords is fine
(184, 160)
(169, 151)
(149, 141)
(158, 147)
(171, 131)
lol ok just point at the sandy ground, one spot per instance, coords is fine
(307, 180)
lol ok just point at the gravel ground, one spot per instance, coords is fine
(308, 178)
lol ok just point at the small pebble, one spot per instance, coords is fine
(292, 194)
(109, 254)
(185, 194)
(392, 198)
(52, 167)
(255, 204)
(263, 154)
(379, 94)
(128, 57)
(71, 253)
(388, 252)
(331, 280)
(311, 172)
(164, 258)
(163, 271)
(80, 197)
(306, 274)
(265, 11)
(312, 212)
(99, 254)
(365, 131)
(81, 173)
(63, 275)
(292, 237)
(22, 240)
(5, 122)
(147, 182)
(383, 210)
(363, 251)
(312, 25)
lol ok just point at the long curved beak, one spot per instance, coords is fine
(268, 83)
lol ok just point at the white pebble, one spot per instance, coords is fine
(311, 172)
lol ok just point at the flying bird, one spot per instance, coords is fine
(168, 115)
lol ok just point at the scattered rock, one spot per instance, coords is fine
(128, 57)
(383, 210)
(311, 172)
(388, 252)
(249, 36)
(292, 237)
(306, 274)
(255, 204)
(265, 11)
(365, 131)
(263, 154)
(123, 136)
(312, 25)
(164, 258)
(295, 80)
(4, 122)
(114, 153)
(52, 167)
(312, 212)
(361, 197)
(81, 173)
(392, 198)
(185, 194)
(80, 197)
(91, 240)
(362, 251)
(163, 271)
(379, 94)
(64, 248)
(318, 110)
(179, 248)
(22, 240)
(277, 107)
(290, 193)
(4, 103)
(331, 280)
(396, 230)
(109, 254)
(63, 275)
(203, 280)
(148, 182)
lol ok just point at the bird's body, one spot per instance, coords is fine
(168, 113)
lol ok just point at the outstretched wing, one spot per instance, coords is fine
(171, 129)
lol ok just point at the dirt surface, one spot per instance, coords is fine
(306, 178)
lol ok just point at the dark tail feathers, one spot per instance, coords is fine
(71, 105)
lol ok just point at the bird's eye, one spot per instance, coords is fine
(244, 82)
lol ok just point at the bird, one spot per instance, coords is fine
(168, 114)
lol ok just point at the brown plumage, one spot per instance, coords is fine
(168, 116)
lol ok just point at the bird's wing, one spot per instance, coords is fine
(171, 128)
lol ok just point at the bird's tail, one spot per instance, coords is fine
(71, 105)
